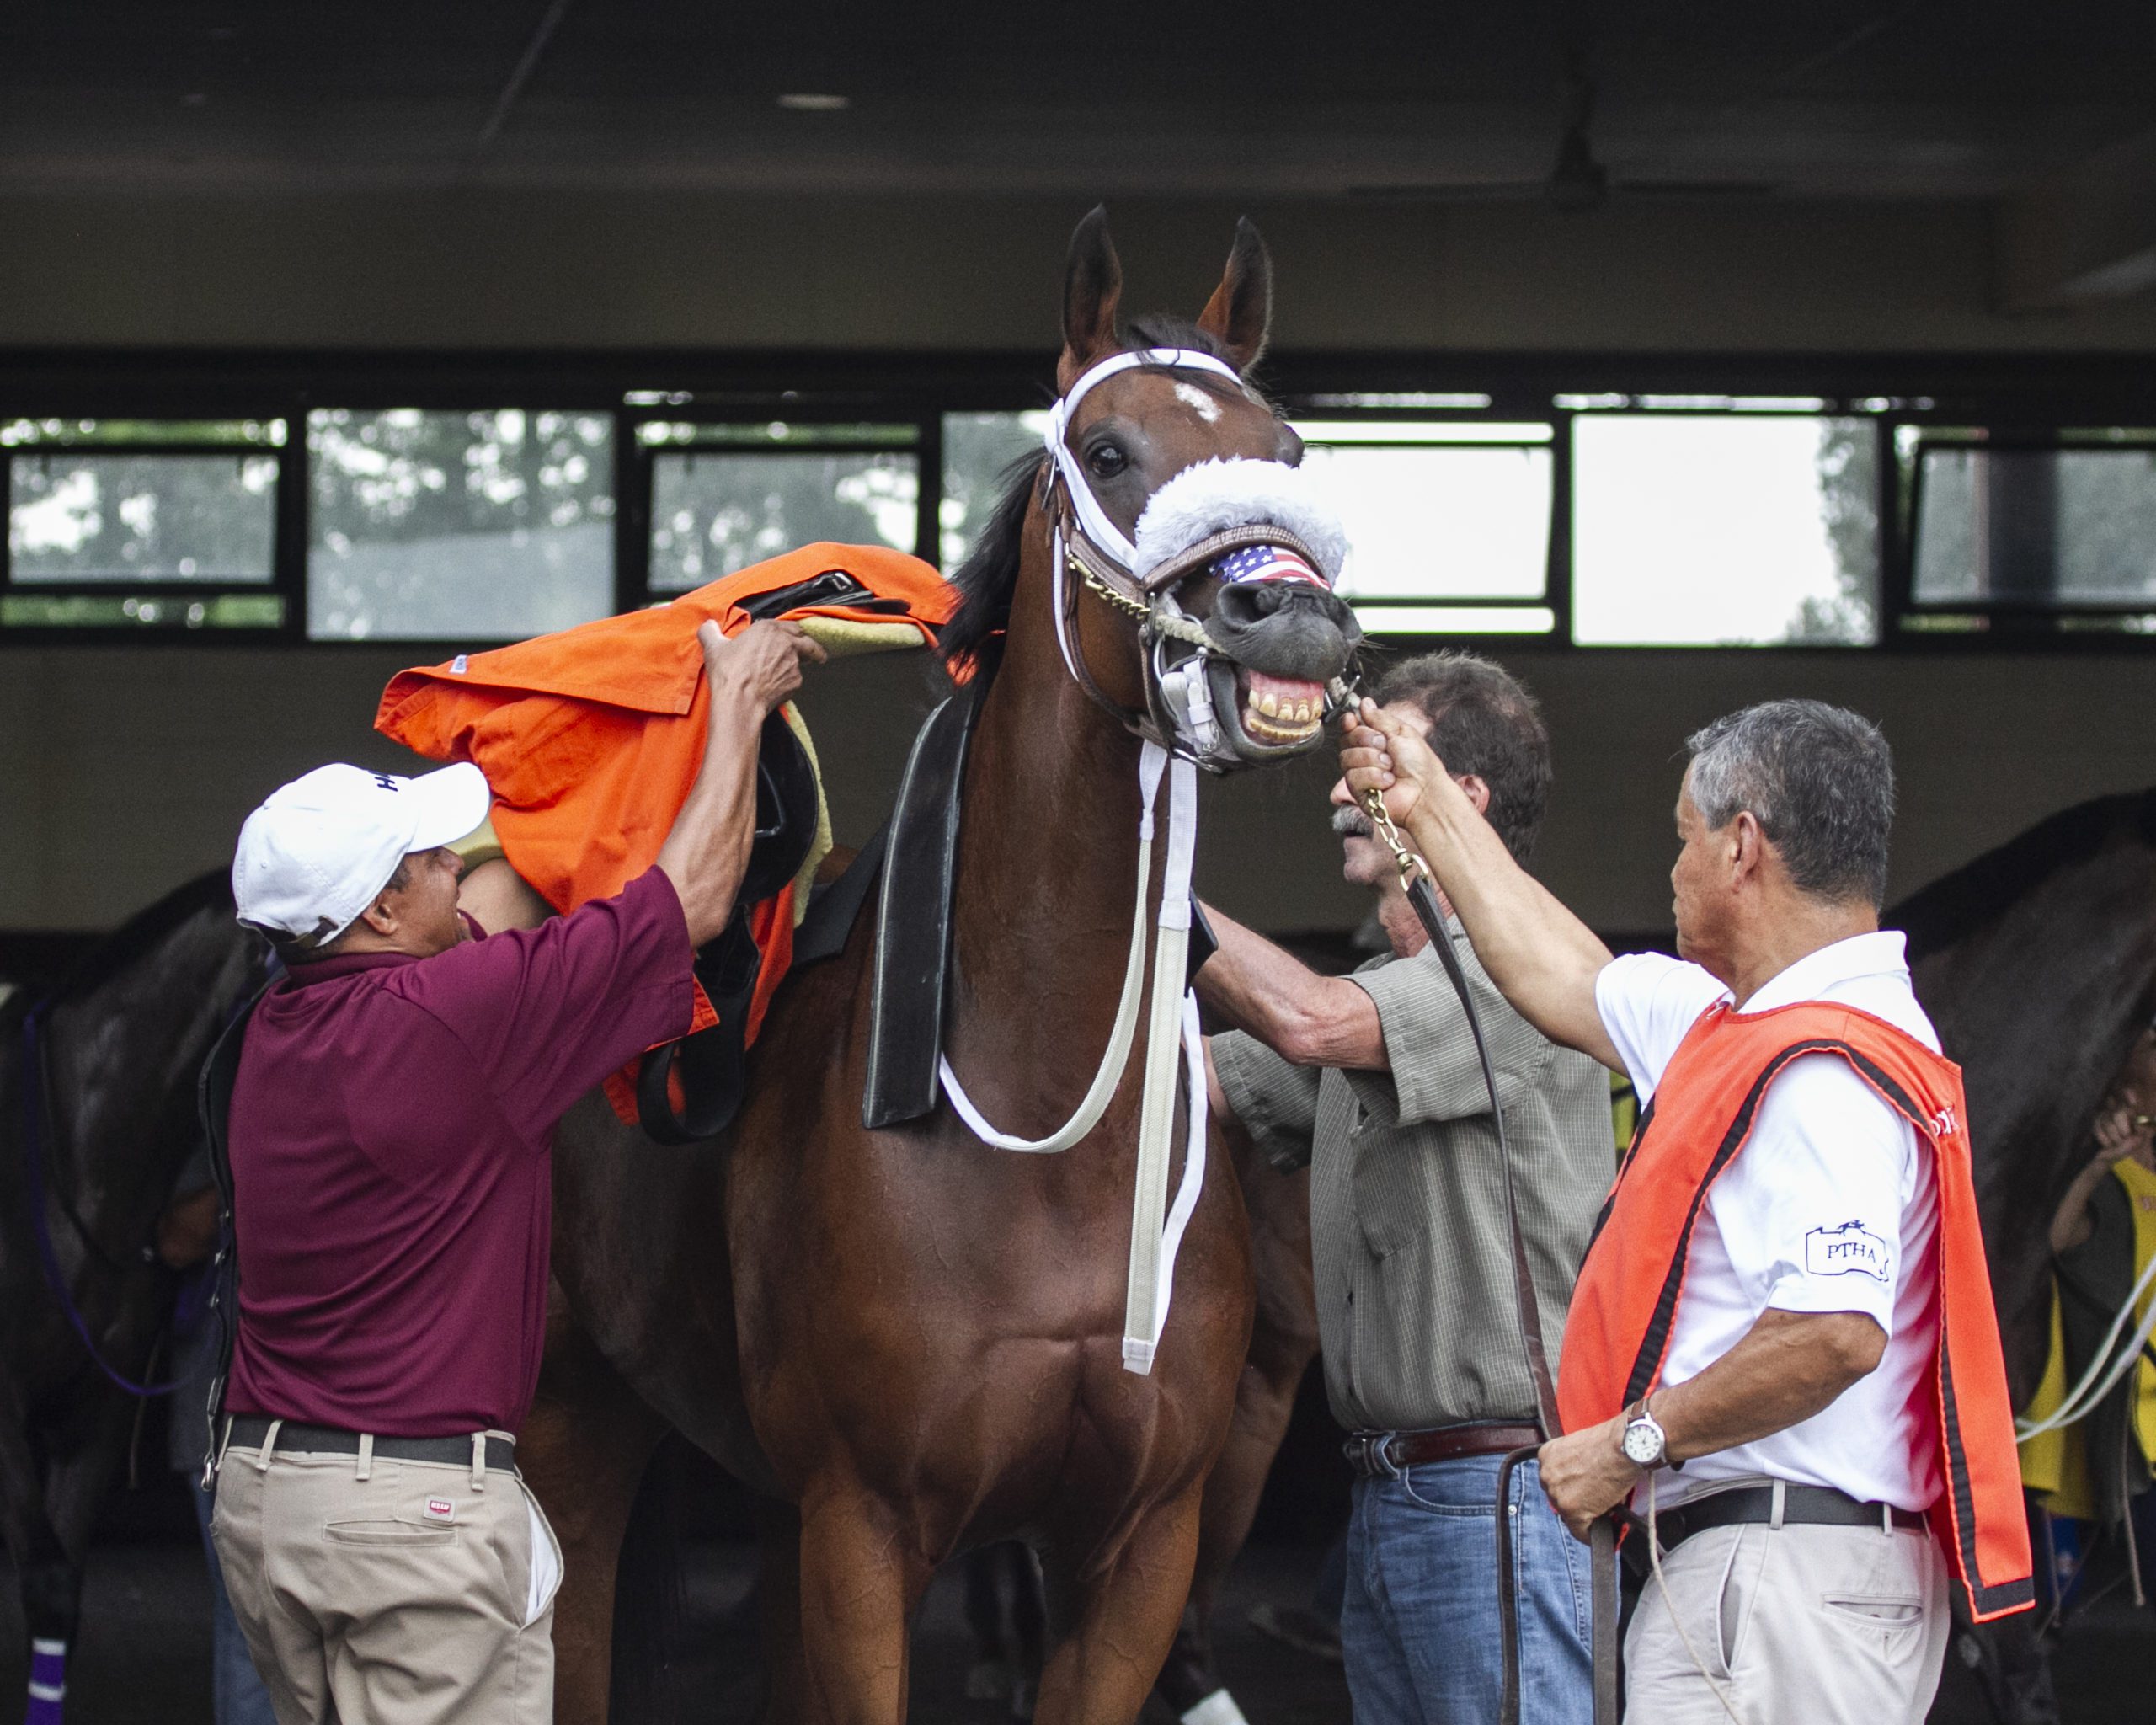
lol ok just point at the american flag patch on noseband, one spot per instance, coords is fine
(1266, 562)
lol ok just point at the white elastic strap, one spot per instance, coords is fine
(2111, 1367)
(1142, 1312)
(1109, 1077)
(1669, 1604)
(1102, 532)
(1193, 1163)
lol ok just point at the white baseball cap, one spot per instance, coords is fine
(315, 855)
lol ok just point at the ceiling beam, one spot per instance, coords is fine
(2084, 237)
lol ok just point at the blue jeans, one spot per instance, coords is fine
(1419, 1628)
(240, 1699)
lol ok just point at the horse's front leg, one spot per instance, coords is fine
(1125, 1619)
(49, 1584)
(78, 1478)
(862, 1573)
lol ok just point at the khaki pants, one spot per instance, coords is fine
(1828, 1626)
(404, 1597)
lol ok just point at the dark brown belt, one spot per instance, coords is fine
(1382, 1455)
(248, 1430)
(1802, 1506)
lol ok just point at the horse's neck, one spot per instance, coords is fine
(120, 1065)
(1047, 861)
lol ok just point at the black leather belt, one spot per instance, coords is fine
(1804, 1506)
(1381, 1454)
(248, 1430)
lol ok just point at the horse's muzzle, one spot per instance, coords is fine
(1277, 647)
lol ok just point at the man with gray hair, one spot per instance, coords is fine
(1785, 1296)
(1372, 1079)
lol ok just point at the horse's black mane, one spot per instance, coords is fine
(1980, 891)
(212, 891)
(974, 637)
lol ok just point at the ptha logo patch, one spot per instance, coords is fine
(441, 1510)
(1851, 1249)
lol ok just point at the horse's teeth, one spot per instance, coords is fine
(1269, 705)
(1302, 712)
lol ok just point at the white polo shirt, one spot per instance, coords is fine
(1831, 1205)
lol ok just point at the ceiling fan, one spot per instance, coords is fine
(1577, 183)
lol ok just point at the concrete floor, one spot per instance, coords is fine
(144, 1655)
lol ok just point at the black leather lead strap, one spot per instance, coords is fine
(213, 1097)
(1604, 1579)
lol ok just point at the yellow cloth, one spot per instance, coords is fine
(2055, 1463)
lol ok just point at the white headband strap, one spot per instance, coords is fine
(1102, 532)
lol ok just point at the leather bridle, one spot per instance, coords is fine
(1089, 553)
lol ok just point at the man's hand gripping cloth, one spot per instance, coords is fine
(1625, 1302)
(592, 738)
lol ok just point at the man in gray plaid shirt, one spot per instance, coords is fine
(1372, 1080)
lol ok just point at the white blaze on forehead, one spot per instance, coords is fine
(1197, 399)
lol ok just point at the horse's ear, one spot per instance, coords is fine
(1240, 311)
(1092, 283)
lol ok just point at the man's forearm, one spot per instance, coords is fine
(1301, 1016)
(707, 851)
(1543, 959)
(1787, 1368)
(1790, 1366)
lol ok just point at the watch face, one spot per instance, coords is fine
(1642, 1442)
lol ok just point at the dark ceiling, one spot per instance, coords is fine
(1953, 99)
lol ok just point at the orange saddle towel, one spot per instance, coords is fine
(591, 739)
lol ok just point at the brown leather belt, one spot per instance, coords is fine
(1383, 1454)
(248, 1430)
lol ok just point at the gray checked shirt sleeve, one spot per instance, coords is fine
(1435, 1076)
(1275, 1099)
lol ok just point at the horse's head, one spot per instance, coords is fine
(1192, 561)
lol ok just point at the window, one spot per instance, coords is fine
(2066, 524)
(1724, 529)
(1448, 521)
(144, 523)
(979, 451)
(724, 496)
(470, 526)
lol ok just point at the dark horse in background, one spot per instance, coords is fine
(911, 1342)
(111, 1095)
(2037, 962)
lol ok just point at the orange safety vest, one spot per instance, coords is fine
(1617, 1328)
(592, 738)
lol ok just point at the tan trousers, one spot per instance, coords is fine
(402, 1597)
(1827, 1625)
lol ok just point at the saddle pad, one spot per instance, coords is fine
(590, 738)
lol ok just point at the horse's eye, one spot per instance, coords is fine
(1104, 460)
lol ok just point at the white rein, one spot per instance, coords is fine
(1156, 1232)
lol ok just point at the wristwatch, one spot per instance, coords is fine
(1644, 1441)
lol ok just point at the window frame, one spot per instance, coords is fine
(1555, 596)
(1982, 615)
(633, 588)
(2007, 394)
(290, 458)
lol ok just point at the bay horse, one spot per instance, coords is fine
(910, 1341)
(105, 1079)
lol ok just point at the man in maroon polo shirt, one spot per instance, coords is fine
(389, 1146)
